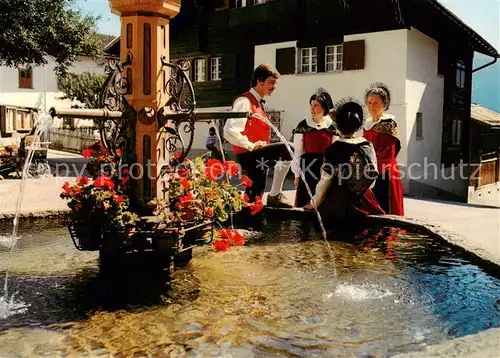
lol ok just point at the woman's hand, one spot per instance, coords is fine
(296, 182)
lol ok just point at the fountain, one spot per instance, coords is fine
(389, 291)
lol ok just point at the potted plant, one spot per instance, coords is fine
(199, 195)
(100, 214)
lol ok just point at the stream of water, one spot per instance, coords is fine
(9, 305)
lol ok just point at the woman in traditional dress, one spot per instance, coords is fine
(350, 169)
(311, 137)
(381, 129)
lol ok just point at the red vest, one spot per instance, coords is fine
(255, 129)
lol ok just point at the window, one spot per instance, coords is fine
(25, 78)
(199, 70)
(460, 75)
(309, 60)
(420, 126)
(333, 60)
(456, 132)
(215, 68)
(234, 4)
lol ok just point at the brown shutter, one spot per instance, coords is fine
(285, 60)
(229, 67)
(354, 55)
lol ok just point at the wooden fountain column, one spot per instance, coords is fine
(145, 34)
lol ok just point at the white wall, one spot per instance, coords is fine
(424, 93)
(385, 61)
(44, 93)
(201, 129)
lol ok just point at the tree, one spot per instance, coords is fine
(85, 88)
(32, 30)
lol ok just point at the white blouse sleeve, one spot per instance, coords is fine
(322, 187)
(298, 142)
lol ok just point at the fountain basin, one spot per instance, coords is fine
(398, 293)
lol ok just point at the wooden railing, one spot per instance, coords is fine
(489, 168)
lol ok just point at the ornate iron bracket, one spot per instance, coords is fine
(180, 110)
(112, 130)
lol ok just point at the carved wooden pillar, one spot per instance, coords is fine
(145, 34)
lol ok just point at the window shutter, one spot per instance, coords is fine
(285, 60)
(229, 67)
(354, 55)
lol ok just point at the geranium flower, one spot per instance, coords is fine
(209, 212)
(214, 169)
(185, 200)
(231, 168)
(246, 182)
(185, 184)
(104, 182)
(221, 245)
(83, 180)
(256, 206)
(87, 153)
(66, 187)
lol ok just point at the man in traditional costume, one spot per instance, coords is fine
(251, 137)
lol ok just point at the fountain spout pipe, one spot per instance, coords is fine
(84, 113)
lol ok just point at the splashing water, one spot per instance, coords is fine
(8, 306)
(302, 176)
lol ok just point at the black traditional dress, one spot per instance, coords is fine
(350, 169)
(310, 140)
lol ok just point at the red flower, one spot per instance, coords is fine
(246, 182)
(221, 245)
(66, 187)
(256, 206)
(87, 153)
(82, 180)
(118, 153)
(185, 200)
(232, 236)
(104, 182)
(177, 155)
(124, 180)
(209, 212)
(237, 239)
(231, 168)
(100, 158)
(214, 169)
(246, 199)
(119, 199)
(185, 184)
(126, 171)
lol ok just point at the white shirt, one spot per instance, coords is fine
(369, 121)
(298, 140)
(235, 126)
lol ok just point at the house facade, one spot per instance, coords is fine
(484, 182)
(417, 47)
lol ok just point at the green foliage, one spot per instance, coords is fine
(85, 88)
(31, 30)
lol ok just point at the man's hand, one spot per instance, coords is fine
(296, 182)
(259, 144)
(309, 207)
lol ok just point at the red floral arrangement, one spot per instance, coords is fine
(101, 201)
(199, 192)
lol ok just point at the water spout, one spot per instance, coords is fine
(303, 178)
(41, 126)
